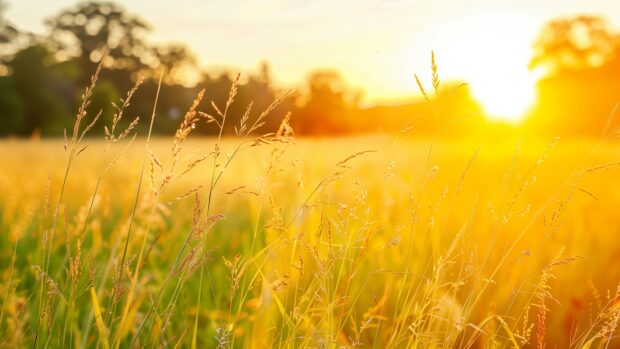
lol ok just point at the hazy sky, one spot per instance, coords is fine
(377, 44)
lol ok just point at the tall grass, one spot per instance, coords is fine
(263, 240)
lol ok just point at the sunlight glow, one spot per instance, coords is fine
(491, 51)
(505, 96)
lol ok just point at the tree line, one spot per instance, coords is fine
(43, 76)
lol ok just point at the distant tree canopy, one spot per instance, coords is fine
(573, 44)
(94, 29)
(7, 30)
(327, 106)
(9, 37)
(580, 60)
(43, 76)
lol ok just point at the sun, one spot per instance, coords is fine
(505, 96)
(491, 52)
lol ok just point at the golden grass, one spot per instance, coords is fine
(266, 241)
(390, 251)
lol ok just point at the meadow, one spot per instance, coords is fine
(256, 241)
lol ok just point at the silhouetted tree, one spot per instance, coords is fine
(11, 108)
(327, 105)
(9, 37)
(452, 113)
(8, 32)
(179, 63)
(44, 78)
(33, 81)
(256, 89)
(261, 92)
(573, 43)
(91, 30)
(581, 59)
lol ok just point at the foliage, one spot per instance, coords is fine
(82, 35)
(574, 43)
(328, 105)
(580, 57)
(93, 30)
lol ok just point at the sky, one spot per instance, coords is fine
(377, 45)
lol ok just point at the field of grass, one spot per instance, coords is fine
(374, 242)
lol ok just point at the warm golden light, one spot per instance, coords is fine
(505, 97)
(491, 51)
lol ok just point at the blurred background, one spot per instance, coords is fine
(529, 66)
(466, 216)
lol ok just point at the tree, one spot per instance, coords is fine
(9, 36)
(91, 30)
(179, 63)
(36, 103)
(11, 108)
(573, 43)
(7, 31)
(256, 89)
(260, 91)
(328, 104)
(581, 59)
